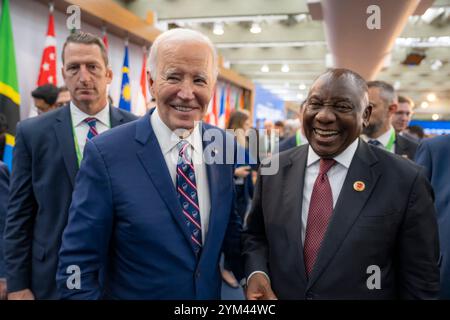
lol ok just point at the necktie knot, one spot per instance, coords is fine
(325, 165)
(91, 122)
(184, 151)
(375, 142)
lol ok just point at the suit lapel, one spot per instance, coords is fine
(153, 161)
(291, 209)
(64, 135)
(116, 117)
(348, 206)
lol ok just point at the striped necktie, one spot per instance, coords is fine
(92, 129)
(187, 194)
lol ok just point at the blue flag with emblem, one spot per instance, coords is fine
(125, 89)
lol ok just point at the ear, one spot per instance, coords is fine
(109, 75)
(63, 73)
(151, 84)
(392, 108)
(366, 115)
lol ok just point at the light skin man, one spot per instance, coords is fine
(403, 114)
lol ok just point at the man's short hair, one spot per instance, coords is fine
(180, 34)
(47, 92)
(405, 99)
(86, 38)
(387, 91)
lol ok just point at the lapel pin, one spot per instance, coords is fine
(359, 186)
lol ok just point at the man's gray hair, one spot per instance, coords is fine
(387, 91)
(180, 35)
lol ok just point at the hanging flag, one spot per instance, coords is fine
(9, 88)
(47, 71)
(222, 120)
(141, 106)
(105, 38)
(228, 104)
(125, 91)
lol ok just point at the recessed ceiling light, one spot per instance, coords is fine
(218, 29)
(300, 96)
(285, 68)
(302, 86)
(431, 97)
(265, 68)
(435, 117)
(424, 105)
(256, 28)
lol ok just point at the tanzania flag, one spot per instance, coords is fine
(125, 91)
(9, 88)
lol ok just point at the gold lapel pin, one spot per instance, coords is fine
(359, 186)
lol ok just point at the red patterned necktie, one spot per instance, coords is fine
(92, 127)
(187, 194)
(320, 210)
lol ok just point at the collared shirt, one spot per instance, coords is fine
(384, 139)
(336, 176)
(168, 143)
(82, 128)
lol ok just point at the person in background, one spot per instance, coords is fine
(434, 154)
(3, 129)
(48, 151)
(4, 191)
(415, 132)
(279, 125)
(63, 96)
(380, 132)
(239, 124)
(44, 97)
(298, 138)
(402, 116)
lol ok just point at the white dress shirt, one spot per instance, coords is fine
(82, 128)
(168, 143)
(336, 177)
(384, 139)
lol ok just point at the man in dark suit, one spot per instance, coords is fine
(434, 155)
(4, 190)
(364, 225)
(47, 154)
(380, 132)
(156, 212)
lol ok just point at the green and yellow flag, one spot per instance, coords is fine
(9, 88)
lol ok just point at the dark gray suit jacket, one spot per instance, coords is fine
(405, 147)
(4, 190)
(43, 175)
(390, 224)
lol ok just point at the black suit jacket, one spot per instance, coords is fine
(4, 189)
(390, 224)
(405, 147)
(43, 175)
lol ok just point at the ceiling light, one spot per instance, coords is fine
(300, 96)
(436, 65)
(397, 85)
(265, 68)
(302, 86)
(431, 97)
(218, 28)
(285, 68)
(270, 17)
(424, 105)
(435, 117)
(255, 28)
(280, 44)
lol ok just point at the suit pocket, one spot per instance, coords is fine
(386, 220)
(38, 251)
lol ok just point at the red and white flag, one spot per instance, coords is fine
(47, 71)
(105, 38)
(141, 106)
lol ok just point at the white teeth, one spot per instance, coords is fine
(326, 132)
(182, 108)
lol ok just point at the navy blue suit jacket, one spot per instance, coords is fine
(42, 179)
(126, 216)
(4, 189)
(434, 155)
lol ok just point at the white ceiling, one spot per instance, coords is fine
(300, 42)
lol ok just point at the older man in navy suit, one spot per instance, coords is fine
(47, 154)
(341, 219)
(154, 203)
(434, 155)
